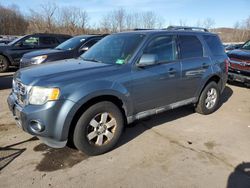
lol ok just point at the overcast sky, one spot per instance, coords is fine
(224, 12)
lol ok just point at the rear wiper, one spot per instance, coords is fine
(93, 60)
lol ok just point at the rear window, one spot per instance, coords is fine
(214, 44)
(190, 47)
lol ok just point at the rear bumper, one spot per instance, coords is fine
(238, 78)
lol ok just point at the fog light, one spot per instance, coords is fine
(36, 126)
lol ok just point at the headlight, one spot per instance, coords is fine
(41, 95)
(38, 59)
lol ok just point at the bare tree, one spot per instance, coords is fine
(43, 20)
(182, 22)
(119, 16)
(73, 20)
(120, 20)
(12, 22)
(49, 11)
(208, 23)
(151, 20)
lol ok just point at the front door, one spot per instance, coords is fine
(156, 85)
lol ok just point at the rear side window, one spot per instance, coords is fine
(47, 41)
(190, 47)
(214, 44)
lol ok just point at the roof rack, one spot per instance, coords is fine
(142, 29)
(186, 28)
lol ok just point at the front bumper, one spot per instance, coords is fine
(238, 78)
(55, 116)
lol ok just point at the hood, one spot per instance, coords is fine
(240, 54)
(43, 52)
(65, 72)
(4, 47)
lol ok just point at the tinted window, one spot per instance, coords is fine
(91, 43)
(214, 44)
(190, 47)
(47, 41)
(71, 43)
(246, 46)
(163, 47)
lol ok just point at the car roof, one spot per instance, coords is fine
(51, 34)
(165, 31)
(88, 36)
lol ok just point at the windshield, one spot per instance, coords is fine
(71, 43)
(246, 46)
(114, 49)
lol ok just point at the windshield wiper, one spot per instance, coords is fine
(92, 60)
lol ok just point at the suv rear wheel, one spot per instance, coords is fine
(4, 64)
(209, 99)
(99, 128)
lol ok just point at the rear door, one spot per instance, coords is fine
(194, 62)
(157, 85)
(218, 55)
(47, 42)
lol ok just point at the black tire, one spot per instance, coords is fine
(4, 64)
(81, 131)
(201, 106)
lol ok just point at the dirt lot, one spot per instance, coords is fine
(178, 148)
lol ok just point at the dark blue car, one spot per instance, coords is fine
(71, 48)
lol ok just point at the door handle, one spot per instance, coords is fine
(205, 65)
(172, 71)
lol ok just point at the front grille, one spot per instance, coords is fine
(239, 64)
(20, 92)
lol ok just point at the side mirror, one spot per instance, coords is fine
(147, 60)
(84, 49)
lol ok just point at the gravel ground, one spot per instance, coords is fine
(178, 148)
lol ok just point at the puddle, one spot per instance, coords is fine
(56, 159)
(210, 145)
(6, 127)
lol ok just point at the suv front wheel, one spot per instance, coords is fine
(99, 128)
(209, 99)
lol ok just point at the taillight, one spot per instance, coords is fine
(227, 64)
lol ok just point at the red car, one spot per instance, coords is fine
(239, 66)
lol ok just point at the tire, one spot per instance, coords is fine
(208, 101)
(4, 64)
(94, 133)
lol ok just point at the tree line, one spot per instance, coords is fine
(51, 18)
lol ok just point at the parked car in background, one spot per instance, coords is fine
(239, 67)
(71, 48)
(6, 39)
(231, 47)
(122, 78)
(11, 53)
